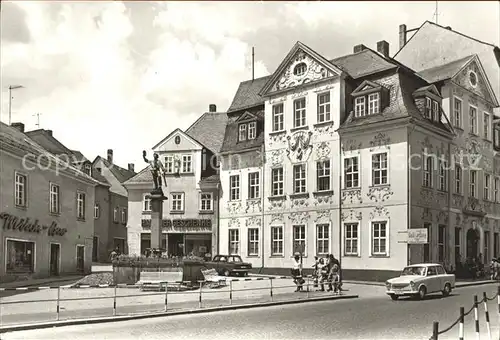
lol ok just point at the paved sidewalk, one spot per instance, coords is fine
(41, 282)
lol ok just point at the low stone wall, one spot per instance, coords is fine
(347, 274)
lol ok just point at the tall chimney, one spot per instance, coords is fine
(212, 108)
(18, 126)
(402, 35)
(49, 132)
(110, 156)
(359, 48)
(383, 48)
(131, 167)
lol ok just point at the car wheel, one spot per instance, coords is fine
(447, 289)
(422, 292)
(394, 297)
(226, 272)
(245, 274)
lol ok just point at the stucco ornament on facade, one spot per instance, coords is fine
(379, 211)
(458, 91)
(323, 199)
(426, 144)
(253, 221)
(473, 151)
(234, 223)
(486, 164)
(322, 151)
(276, 157)
(314, 71)
(352, 215)
(327, 129)
(427, 197)
(253, 206)
(426, 214)
(299, 146)
(379, 194)
(277, 218)
(277, 138)
(351, 145)
(380, 140)
(277, 204)
(234, 207)
(458, 201)
(352, 196)
(301, 202)
(442, 217)
(299, 217)
(322, 216)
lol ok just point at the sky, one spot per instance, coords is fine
(122, 76)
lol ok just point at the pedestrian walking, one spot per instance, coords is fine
(323, 269)
(334, 274)
(316, 273)
(297, 272)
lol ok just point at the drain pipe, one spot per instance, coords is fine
(263, 167)
(340, 206)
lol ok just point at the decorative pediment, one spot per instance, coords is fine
(366, 87)
(473, 78)
(302, 65)
(430, 89)
(246, 116)
(177, 140)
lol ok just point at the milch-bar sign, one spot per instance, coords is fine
(184, 225)
(25, 224)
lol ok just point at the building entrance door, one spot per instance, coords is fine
(472, 243)
(55, 253)
(80, 259)
(176, 244)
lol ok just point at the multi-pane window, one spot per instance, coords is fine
(486, 192)
(277, 181)
(252, 130)
(473, 183)
(324, 114)
(253, 185)
(458, 234)
(458, 179)
(80, 205)
(373, 103)
(486, 125)
(299, 238)
(299, 112)
(206, 201)
(20, 194)
(457, 112)
(278, 117)
(54, 198)
(115, 215)
(97, 211)
(379, 238)
(427, 248)
(253, 242)
(242, 129)
(351, 172)
(428, 167)
(277, 240)
(177, 202)
(379, 168)
(247, 131)
(473, 120)
(428, 108)
(322, 239)
(299, 178)
(147, 203)
(234, 187)
(124, 215)
(359, 107)
(323, 175)
(351, 239)
(435, 110)
(441, 243)
(496, 244)
(496, 193)
(486, 246)
(234, 241)
(187, 163)
(443, 175)
(169, 164)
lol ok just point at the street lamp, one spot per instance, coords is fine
(12, 87)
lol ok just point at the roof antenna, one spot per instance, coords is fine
(37, 119)
(253, 63)
(436, 13)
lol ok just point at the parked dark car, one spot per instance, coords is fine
(229, 264)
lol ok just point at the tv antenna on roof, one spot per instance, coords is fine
(37, 119)
(436, 13)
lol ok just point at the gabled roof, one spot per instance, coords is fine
(48, 142)
(365, 86)
(286, 62)
(209, 130)
(99, 177)
(428, 88)
(363, 63)
(247, 95)
(445, 71)
(79, 156)
(120, 173)
(144, 176)
(247, 115)
(177, 130)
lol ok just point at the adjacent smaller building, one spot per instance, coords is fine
(190, 158)
(45, 214)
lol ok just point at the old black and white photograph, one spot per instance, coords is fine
(249, 170)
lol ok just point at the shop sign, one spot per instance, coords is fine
(11, 222)
(183, 225)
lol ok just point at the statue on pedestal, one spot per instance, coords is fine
(157, 170)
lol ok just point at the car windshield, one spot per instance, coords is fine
(236, 259)
(413, 271)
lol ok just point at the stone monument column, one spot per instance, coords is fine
(157, 199)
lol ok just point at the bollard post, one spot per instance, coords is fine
(114, 301)
(476, 317)
(435, 330)
(498, 302)
(230, 292)
(166, 296)
(487, 315)
(271, 282)
(58, 303)
(461, 324)
(201, 287)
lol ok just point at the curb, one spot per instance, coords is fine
(478, 283)
(50, 324)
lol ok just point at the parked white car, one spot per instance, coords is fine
(419, 280)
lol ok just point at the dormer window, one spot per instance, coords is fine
(247, 131)
(88, 170)
(367, 99)
(497, 136)
(373, 103)
(359, 108)
(428, 108)
(435, 111)
(432, 110)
